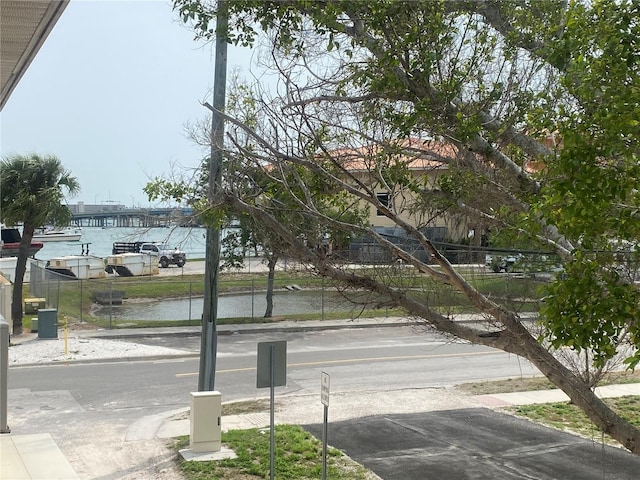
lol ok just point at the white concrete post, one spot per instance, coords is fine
(4, 373)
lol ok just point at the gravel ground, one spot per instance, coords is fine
(28, 349)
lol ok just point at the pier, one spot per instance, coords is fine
(120, 216)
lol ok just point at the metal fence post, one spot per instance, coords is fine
(4, 374)
(110, 305)
(81, 300)
(58, 294)
(322, 298)
(190, 299)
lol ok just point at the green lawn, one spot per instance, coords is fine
(566, 416)
(298, 456)
(563, 415)
(524, 384)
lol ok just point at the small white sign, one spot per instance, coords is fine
(324, 388)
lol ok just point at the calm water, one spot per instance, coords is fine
(191, 240)
(231, 306)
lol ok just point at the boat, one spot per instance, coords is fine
(68, 234)
(11, 243)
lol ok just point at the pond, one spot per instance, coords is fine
(233, 306)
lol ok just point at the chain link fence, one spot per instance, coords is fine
(115, 302)
(509, 277)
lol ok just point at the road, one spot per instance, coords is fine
(103, 415)
(357, 359)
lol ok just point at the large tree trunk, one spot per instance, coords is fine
(510, 333)
(18, 282)
(271, 263)
(517, 339)
(581, 394)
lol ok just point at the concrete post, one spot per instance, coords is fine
(4, 374)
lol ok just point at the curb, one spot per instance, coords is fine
(223, 330)
(88, 361)
(235, 331)
(125, 334)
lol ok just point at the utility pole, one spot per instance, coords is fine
(209, 340)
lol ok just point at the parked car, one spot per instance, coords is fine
(502, 263)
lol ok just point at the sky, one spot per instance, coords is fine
(110, 92)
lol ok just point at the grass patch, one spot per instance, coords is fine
(566, 416)
(508, 385)
(247, 406)
(563, 415)
(333, 315)
(525, 384)
(298, 456)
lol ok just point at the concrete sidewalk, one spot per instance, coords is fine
(176, 425)
(36, 456)
(33, 457)
(26, 457)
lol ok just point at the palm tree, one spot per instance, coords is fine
(32, 192)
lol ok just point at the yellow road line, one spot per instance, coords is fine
(354, 360)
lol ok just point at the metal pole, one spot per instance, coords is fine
(209, 342)
(81, 300)
(4, 373)
(110, 306)
(272, 437)
(324, 398)
(322, 298)
(190, 300)
(325, 431)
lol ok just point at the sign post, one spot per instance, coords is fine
(272, 372)
(324, 398)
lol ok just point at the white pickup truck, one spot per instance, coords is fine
(166, 255)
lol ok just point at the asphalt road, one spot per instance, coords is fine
(357, 359)
(88, 406)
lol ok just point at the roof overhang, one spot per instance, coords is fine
(24, 26)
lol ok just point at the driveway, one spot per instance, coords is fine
(474, 444)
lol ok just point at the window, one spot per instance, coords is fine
(384, 199)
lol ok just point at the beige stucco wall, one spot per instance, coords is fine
(403, 201)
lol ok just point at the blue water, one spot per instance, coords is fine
(100, 240)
